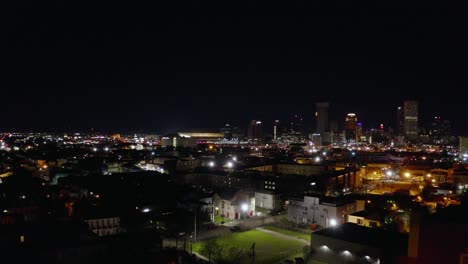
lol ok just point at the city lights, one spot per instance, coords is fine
(389, 173)
(211, 164)
(407, 174)
(230, 164)
(333, 222)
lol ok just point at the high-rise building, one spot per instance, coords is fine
(359, 132)
(410, 119)
(464, 148)
(400, 121)
(295, 129)
(255, 130)
(439, 131)
(276, 130)
(227, 130)
(351, 126)
(321, 117)
(296, 125)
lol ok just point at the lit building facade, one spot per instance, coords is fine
(410, 119)
(351, 125)
(255, 130)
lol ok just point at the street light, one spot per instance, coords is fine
(333, 222)
(230, 164)
(244, 208)
(211, 164)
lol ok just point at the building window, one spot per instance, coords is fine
(360, 221)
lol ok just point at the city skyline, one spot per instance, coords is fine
(184, 68)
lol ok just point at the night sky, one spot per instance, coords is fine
(147, 66)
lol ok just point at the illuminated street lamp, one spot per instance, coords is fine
(389, 173)
(244, 208)
(230, 164)
(211, 164)
(407, 174)
(333, 222)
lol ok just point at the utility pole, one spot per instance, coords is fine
(195, 226)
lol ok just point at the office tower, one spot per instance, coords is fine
(255, 130)
(400, 121)
(410, 119)
(464, 148)
(276, 130)
(351, 127)
(359, 132)
(321, 117)
(439, 131)
(296, 125)
(227, 130)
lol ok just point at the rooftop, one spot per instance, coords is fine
(363, 235)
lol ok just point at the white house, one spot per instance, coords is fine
(314, 210)
(234, 204)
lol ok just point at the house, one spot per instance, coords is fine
(325, 212)
(351, 243)
(234, 204)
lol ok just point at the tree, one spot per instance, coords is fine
(210, 247)
(220, 253)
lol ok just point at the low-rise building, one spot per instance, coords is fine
(104, 226)
(351, 243)
(268, 200)
(324, 212)
(365, 218)
(234, 204)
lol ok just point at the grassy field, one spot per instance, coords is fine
(268, 248)
(219, 219)
(288, 232)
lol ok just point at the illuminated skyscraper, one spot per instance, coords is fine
(351, 126)
(464, 148)
(321, 117)
(410, 119)
(255, 130)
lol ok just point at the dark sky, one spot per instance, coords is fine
(129, 65)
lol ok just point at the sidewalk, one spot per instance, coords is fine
(283, 236)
